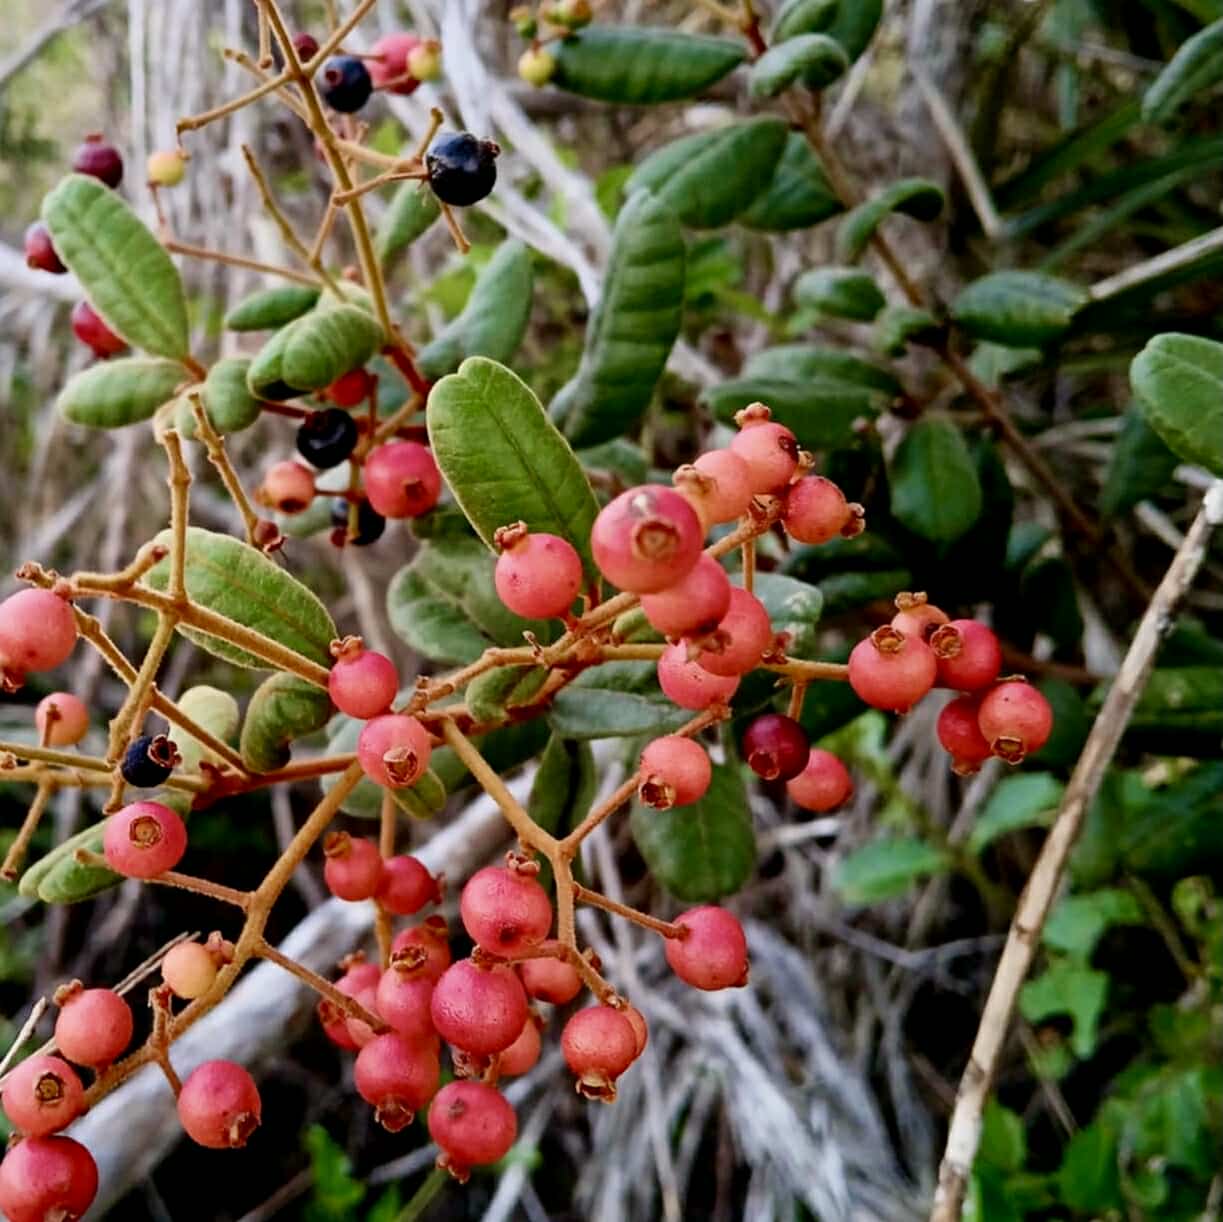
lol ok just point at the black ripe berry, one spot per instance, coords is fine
(462, 169)
(327, 438)
(99, 159)
(370, 523)
(149, 761)
(345, 83)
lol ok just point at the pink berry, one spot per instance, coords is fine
(741, 638)
(402, 480)
(694, 604)
(675, 771)
(47, 1179)
(967, 654)
(598, 1044)
(358, 978)
(775, 747)
(39, 252)
(353, 869)
(94, 1026)
(99, 159)
(389, 70)
(824, 783)
(646, 539)
(394, 750)
(479, 1009)
(889, 670)
(362, 683)
(522, 1055)
(397, 1077)
(288, 487)
(37, 632)
(43, 1095)
(504, 910)
(816, 511)
(537, 575)
(404, 994)
(219, 1105)
(473, 1124)
(61, 719)
(358, 1030)
(770, 450)
(550, 980)
(713, 955)
(641, 1032)
(190, 969)
(144, 839)
(1015, 719)
(432, 938)
(717, 485)
(406, 886)
(88, 327)
(351, 388)
(959, 732)
(689, 685)
(917, 617)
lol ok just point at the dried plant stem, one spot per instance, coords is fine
(29, 825)
(383, 930)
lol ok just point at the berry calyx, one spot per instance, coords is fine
(891, 671)
(694, 605)
(99, 160)
(770, 450)
(144, 839)
(47, 1179)
(689, 685)
(388, 63)
(88, 327)
(351, 388)
(94, 1026)
(538, 575)
(717, 485)
(149, 760)
(39, 252)
(473, 1124)
(353, 868)
(775, 747)
(406, 886)
(425, 60)
(362, 683)
(824, 783)
(61, 719)
(550, 980)
(219, 1105)
(345, 83)
(42, 1095)
(742, 636)
(393, 750)
(462, 170)
(1015, 720)
(287, 487)
(432, 938)
(967, 654)
(325, 439)
(646, 539)
(402, 480)
(166, 168)
(816, 511)
(478, 1009)
(398, 1077)
(370, 524)
(598, 1044)
(959, 732)
(190, 969)
(505, 910)
(37, 632)
(916, 616)
(536, 66)
(675, 771)
(713, 954)
(404, 994)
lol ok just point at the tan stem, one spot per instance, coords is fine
(668, 929)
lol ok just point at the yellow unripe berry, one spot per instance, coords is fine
(166, 169)
(189, 969)
(425, 61)
(536, 66)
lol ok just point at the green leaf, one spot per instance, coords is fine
(1196, 66)
(708, 178)
(633, 327)
(1027, 799)
(885, 869)
(215, 711)
(491, 696)
(854, 25)
(1003, 1138)
(282, 709)
(267, 309)
(1018, 309)
(125, 272)
(445, 606)
(1179, 383)
(898, 326)
(315, 349)
(936, 492)
(619, 457)
(1089, 1178)
(916, 197)
(59, 879)
(1078, 922)
(493, 321)
(1141, 465)
(336, 1193)
(803, 17)
(794, 608)
(703, 851)
(412, 210)
(821, 413)
(1178, 827)
(563, 790)
(840, 292)
(640, 64)
(239, 582)
(797, 196)
(227, 400)
(615, 700)
(1047, 589)
(811, 362)
(113, 393)
(504, 460)
(1067, 987)
(815, 58)
(1177, 699)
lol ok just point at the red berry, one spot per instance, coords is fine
(99, 160)
(144, 839)
(713, 955)
(353, 870)
(505, 911)
(93, 1026)
(350, 388)
(816, 511)
(398, 1077)
(1015, 719)
(358, 1030)
(917, 617)
(769, 450)
(219, 1105)
(775, 747)
(43, 1095)
(473, 1124)
(967, 654)
(522, 1055)
(61, 719)
(889, 670)
(404, 994)
(717, 485)
(537, 575)
(402, 480)
(389, 70)
(37, 631)
(694, 604)
(362, 683)
(479, 1009)
(306, 46)
(394, 750)
(646, 539)
(599, 1044)
(742, 636)
(88, 327)
(288, 487)
(406, 886)
(824, 783)
(432, 938)
(550, 980)
(959, 732)
(39, 253)
(689, 685)
(641, 1032)
(675, 771)
(190, 969)
(361, 977)
(47, 1179)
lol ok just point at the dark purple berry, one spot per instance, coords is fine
(306, 46)
(462, 169)
(99, 159)
(370, 523)
(149, 761)
(327, 438)
(776, 747)
(345, 83)
(39, 253)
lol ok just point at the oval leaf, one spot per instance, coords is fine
(803, 17)
(898, 326)
(227, 400)
(855, 24)
(563, 791)
(126, 273)
(315, 349)
(798, 195)
(1018, 309)
(802, 362)
(614, 700)
(413, 208)
(842, 292)
(269, 308)
(815, 58)
(1179, 383)
(916, 197)
(885, 869)
(113, 393)
(282, 709)
(213, 710)
(822, 414)
(1196, 66)
(491, 696)
(1140, 467)
(936, 492)
(58, 878)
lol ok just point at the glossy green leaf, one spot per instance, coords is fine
(1179, 383)
(618, 457)
(854, 25)
(708, 178)
(493, 321)
(227, 400)
(885, 869)
(113, 393)
(412, 210)
(936, 491)
(282, 709)
(492, 696)
(1003, 1139)
(642, 64)
(797, 17)
(420, 801)
(703, 851)
(916, 197)
(315, 349)
(816, 59)
(615, 700)
(797, 196)
(239, 582)
(213, 710)
(840, 292)
(1141, 465)
(1067, 987)
(1089, 1178)
(126, 273)
(267, 309)
(1192, 71)
(1028, 799)
(1018, 309)
(811, 362)
(794, 609)
(503, 458)
(898, 326)
(633, 327)
(1078, 922)
(822, 414)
